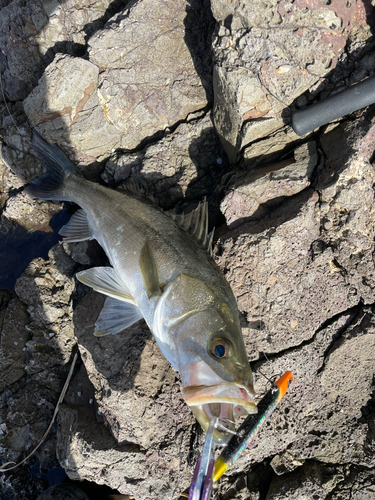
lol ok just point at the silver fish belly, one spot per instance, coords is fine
(161, 273)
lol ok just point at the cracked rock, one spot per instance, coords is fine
(187, 163)
(148, 80)
(65, 108)
(266, 55)
(252, 194)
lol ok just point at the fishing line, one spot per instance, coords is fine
(265, 376)
(6, 104)
(62, 395)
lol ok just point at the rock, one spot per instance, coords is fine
(263, 63)
(50, 328)
(16, 158)
(32, 215)
(14, 335)
(68, 27)
(324, 482)
(286, 462)
(29, 224)
(63, 492)
(310, 481)
(145, 84)
(87, 450)
(65, 108)
(347, 203)
(8, 182)
(294, 264)
(252, 194)
(308, 423)
(186, 163)
(19, 24)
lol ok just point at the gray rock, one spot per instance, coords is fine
(14, 335)
(263, 63)
(50, 328)
(252, 194)
(294, 264)
(68, 26)
(17, 162)
(19, 24)
(148, 80)
(87, 450)
(65, 108)
(186, 163)
(31, 214)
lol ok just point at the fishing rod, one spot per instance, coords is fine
(347, 101)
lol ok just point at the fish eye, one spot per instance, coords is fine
(220, 349)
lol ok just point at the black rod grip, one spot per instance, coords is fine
(357, 96)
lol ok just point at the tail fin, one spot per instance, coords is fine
(50, 186)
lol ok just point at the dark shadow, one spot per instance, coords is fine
(19, 246)
(290, 209)
(199, 27)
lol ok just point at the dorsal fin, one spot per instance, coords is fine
(136, 185)
(196, 223)
(139, 187)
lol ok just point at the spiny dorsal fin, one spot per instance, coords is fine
(196, 223)
(139, 187)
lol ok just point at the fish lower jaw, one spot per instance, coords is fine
(227, 409)
(250, 407)
(224, 412)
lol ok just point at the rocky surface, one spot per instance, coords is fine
(194, 98)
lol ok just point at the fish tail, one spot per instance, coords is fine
(51, 185)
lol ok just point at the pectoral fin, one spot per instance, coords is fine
(116, 315)
(77, 228)
(149, 272)
(106, 280)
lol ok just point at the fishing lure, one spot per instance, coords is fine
(207, 471)
(251, 426)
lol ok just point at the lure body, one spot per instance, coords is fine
(251, 426)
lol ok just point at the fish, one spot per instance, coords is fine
(161, 270)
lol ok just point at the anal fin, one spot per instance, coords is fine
(77, 229)
(115, 317)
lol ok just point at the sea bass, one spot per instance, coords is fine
(161, 273)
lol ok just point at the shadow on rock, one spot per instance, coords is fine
(199, 27)
(18, 247)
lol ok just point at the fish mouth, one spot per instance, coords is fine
(227, 401)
